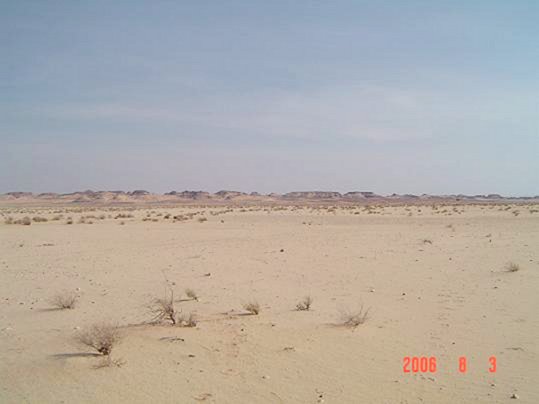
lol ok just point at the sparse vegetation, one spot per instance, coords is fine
(191, 294)
(101, 337)
(354, 318)
(305, 304)
(163, 309)
(25, 221)
(252, 307)
(65, 300)
(512, 267)
(38, 219)
(186, 320)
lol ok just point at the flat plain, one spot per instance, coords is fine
(435, 280)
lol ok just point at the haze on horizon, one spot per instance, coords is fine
(409, 97)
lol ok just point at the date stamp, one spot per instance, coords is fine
(429, 364)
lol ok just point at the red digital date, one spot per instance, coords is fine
(421, 364)
(428, 364)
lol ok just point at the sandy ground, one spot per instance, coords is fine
(434, 280)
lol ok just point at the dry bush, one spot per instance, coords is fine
(38, 219)
(354, 318)
(186, 321)
(202, 219)
(427, 241)
(512, 267)
(163, 309)
(69, 220)
(65, 300)
(101, 337)
(26, 221)
(305, 304)
(252, 307)
(191, 294)
(9, 220)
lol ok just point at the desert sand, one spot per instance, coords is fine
(433, 277)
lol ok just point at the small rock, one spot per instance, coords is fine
(515, 396)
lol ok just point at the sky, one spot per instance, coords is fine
(438, 97)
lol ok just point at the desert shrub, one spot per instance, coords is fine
(26, 221)
(252, 307)
(305, 304)
(354, 318)
(191, 294)
(101, 337)
(202, 219)
(163, 309)
(69, 220)
(186, 320)
(38, 219)
(123, 216)
(57, 217)
(8, 220)
(65, 300)
(512, 267)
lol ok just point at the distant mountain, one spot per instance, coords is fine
(226, 196)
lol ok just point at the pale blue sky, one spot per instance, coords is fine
(270, 96)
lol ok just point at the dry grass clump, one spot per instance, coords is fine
(163, 309)
(186, 320)
(354, 318)
(26, 221)
(69, 220)
(101, 337)
(123, 216)
(65, 300)
(305, 304)
(252, 307)
(8, 220)
(202, 219)
(191, 294)
(38, 219)
(512, 267)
